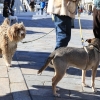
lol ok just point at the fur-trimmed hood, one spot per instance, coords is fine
(60, 7)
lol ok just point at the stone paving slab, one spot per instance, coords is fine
(19, 91)
(15, 75)
(3, 72)
(4, 86)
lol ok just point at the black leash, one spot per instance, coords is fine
(39, 37)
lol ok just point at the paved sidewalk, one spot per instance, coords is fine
(20, 81)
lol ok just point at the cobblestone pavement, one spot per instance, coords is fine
(20, 81)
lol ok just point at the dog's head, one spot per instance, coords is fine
(95, 42)
(16, 32)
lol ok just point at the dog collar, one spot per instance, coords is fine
(96, 49)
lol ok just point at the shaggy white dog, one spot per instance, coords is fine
(9, 37)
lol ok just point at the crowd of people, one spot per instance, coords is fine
(63, 16)
(42, 6)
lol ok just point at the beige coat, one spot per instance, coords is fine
(60, 7)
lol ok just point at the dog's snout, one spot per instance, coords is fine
(22, 32)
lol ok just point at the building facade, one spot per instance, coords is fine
(88, 4)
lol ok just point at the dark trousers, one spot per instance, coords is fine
(63, 30)
(42, 11)
(96, 23)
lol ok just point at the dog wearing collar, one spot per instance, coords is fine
(66, 57)
(9, 37)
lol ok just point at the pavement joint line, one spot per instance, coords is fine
(24, 78)
(9, 82)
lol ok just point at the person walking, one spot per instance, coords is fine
(7, 1)
(96, 19)
(32, 5)
(42, 6)
(6, 9)
(63, 12)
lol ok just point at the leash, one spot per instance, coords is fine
(39, 37)
(82, 39)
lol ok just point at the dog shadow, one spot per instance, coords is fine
(64, 93)
(45, 93)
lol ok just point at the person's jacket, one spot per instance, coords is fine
(60, 7)
(42, 4)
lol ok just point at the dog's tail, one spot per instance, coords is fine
(51, 56)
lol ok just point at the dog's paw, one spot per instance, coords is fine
(57, 95)
(94, 90)
(84, 85)
(8, 65)
(57, 89)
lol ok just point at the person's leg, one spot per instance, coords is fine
(72, 23)
(96, 23)
(63, 30)
(41, 11)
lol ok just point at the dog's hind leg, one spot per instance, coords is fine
(56, 79)
(57, 89)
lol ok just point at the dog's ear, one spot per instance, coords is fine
(88, 40)
(9, 34)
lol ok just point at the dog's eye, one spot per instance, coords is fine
(18, 30)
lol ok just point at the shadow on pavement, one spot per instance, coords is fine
(66, 93)
(48, 23)
(35, 60)
(45, 93)
(43, 23)
(85, 24)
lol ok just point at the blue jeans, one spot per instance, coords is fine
(63, 30)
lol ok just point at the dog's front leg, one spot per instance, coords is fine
(7, 59)
(83, 78)
(94, 71)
